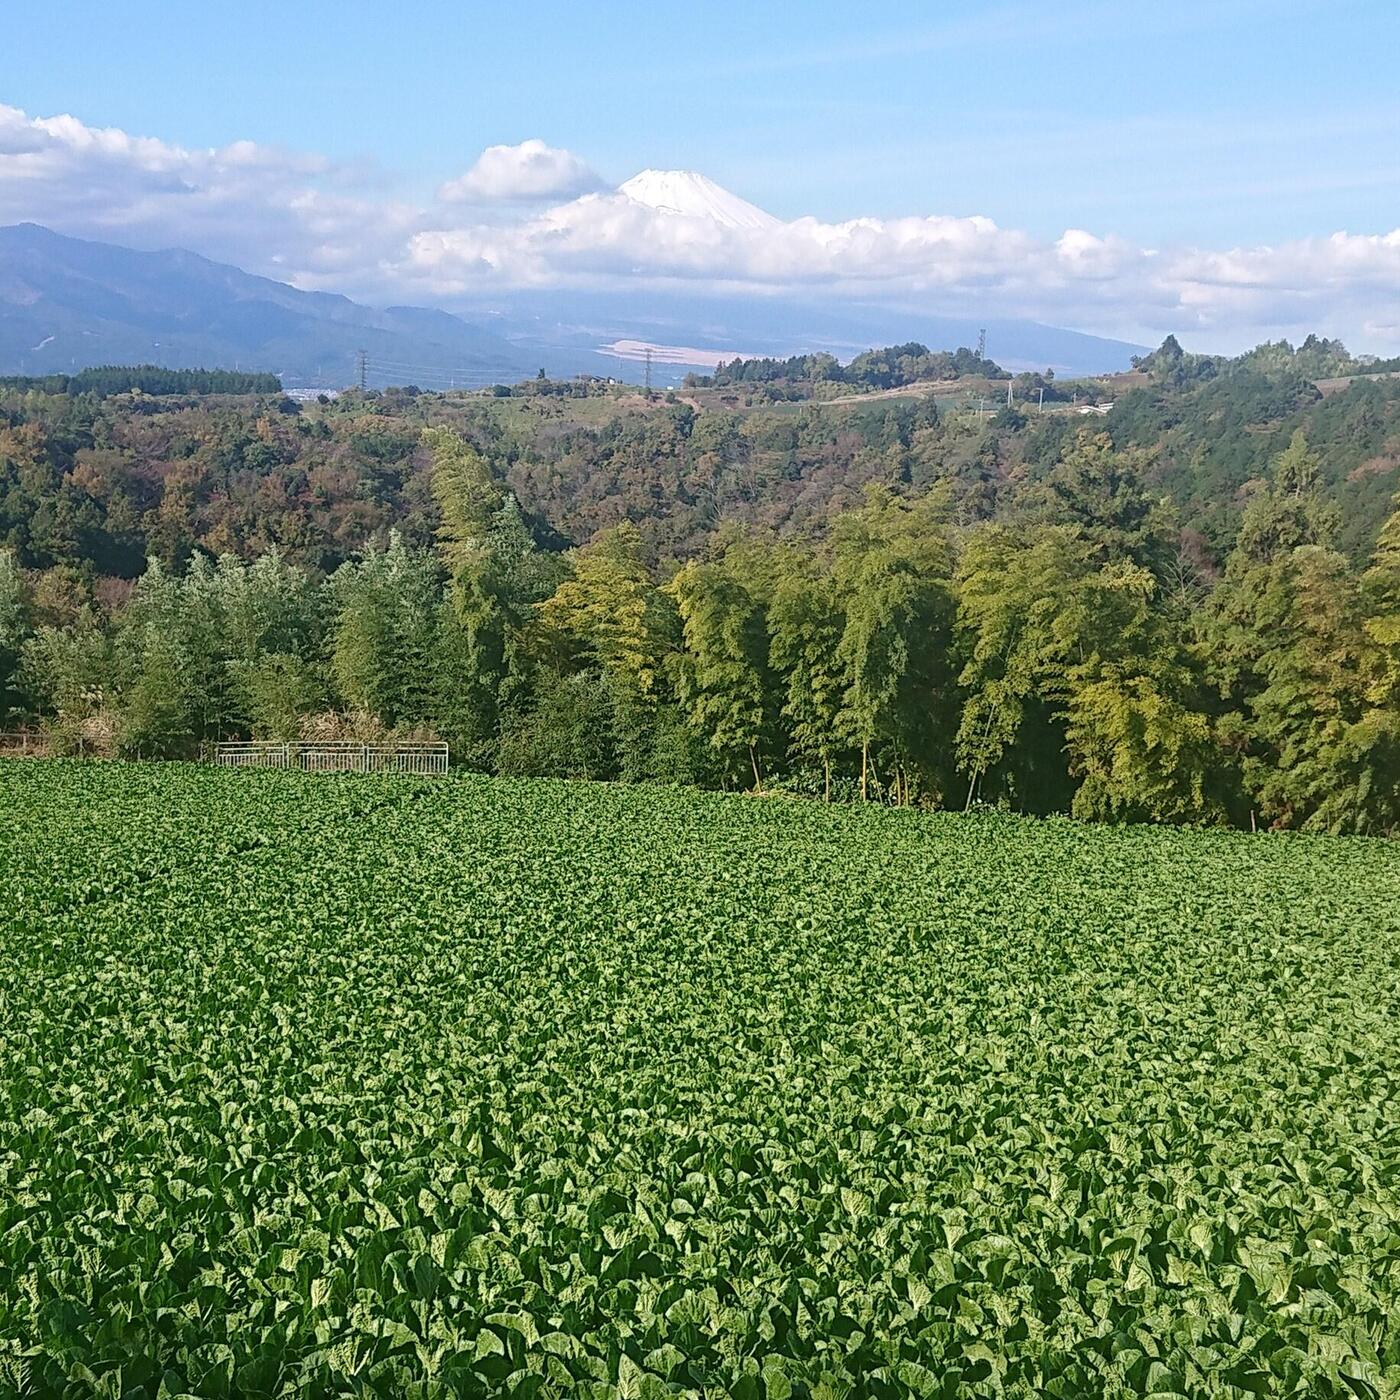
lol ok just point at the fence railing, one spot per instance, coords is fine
(334, 756)
(23, 743)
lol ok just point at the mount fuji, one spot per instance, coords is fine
(614, 330)
(67, 303)
(696, 196)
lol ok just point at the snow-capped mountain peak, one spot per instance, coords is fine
(686, 192)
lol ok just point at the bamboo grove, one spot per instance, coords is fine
(1070, 655)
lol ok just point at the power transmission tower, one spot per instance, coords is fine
(648, 372)
(982, 344)
(364, 368)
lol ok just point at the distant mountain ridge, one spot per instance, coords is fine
(69, 303)
(584, 322)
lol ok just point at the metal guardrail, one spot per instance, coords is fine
(334, 756)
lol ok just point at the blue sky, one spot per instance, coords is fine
(1208, 125)
(1215, 122)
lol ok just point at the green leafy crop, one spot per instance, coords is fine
(391, 1087)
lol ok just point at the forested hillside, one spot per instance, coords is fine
(1187, 610)
(100, 480)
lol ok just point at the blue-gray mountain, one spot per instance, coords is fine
(68, 303)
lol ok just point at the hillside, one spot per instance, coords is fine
(101, 485)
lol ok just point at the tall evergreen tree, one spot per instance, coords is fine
(385, 643)
(1380, 590)
(1015, 586)
(721, 674)
(496, 576)
(806, 625)
(892, 572)
(1290, 647)
(14, 631)
(1136, 732)
(1101, 490)
(610, 614)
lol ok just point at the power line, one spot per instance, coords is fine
(398, 373)
(483, 374)
(421, 381)
(461, 370)
(420, 372)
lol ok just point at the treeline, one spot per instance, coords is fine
(106, 380)
(889, 368)
(1069, 659)
(1316, 358)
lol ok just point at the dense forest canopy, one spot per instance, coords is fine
(99, 485)
(1315, 358)
(889, 368)
(1185, 610)
(106, 380)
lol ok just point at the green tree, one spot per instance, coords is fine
(70, 672)
(385, 642)
(1380, 591)
(1323, 754)
(610, 619)
(14, 632)
(1100, 489)
(610, 614)
(170, 685)
(1080, 688)
(1293, 650)
(1289, 510)
(721, 673)
(469, 499)
(278, 690)
(892, 573)
(565, 731)
(497, 574)
(1015, 624)
(806, 625)
(159, 708)
(1136, 734)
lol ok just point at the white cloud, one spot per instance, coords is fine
(529, 171)
(1348, 284)
(306, 220)
(275, 211)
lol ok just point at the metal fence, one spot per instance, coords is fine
(23, 743)
(334, 756)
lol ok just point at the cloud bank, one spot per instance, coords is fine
(537, 216)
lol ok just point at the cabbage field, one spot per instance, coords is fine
(403, 1087)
